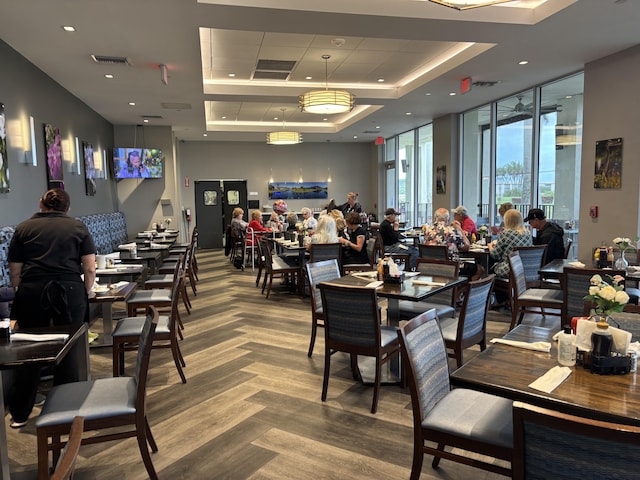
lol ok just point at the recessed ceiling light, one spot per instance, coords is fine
(133, 104)
(308, 78)
(68, 28)
(275, 118)
(355, 136)
(146, 120)
(569, 96)
(523, 62)
(232, 74)
(377, 126)
(428, 93)
(224, 118)
(108, 75)
(325, 119)
(381, 80)
(408, 113)
(452, 93)
(204, 134)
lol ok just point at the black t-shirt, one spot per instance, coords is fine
(50, 245)
(551, 235)
(389, 235)
(353, 256)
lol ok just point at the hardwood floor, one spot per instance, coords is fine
(251, 406)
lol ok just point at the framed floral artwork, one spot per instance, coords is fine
(89, 169)
(53, 148)
(4, 163)
(608, 164)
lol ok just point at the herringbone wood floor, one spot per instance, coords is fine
(251, 408)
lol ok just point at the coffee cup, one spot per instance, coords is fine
(101, 261)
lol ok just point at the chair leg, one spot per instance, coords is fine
(436, 459)
(418, 456)
(43, 454)
(115, 349)
(269, 286)
(177, 359)
(458, 354)
(327, 366)
(144, 450)
(314, 328)
(150, 440)
(376, 386)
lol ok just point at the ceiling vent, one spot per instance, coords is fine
(175, 106)
(109, 60)
(372, 131)
(155, 117)
(273, 69)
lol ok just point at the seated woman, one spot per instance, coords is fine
(256, 224)
(292, 219)
(275, 222)
(355, 251)
(339, 219)
(238, 225)
(309, 221)
(325, 231)
(513, 235)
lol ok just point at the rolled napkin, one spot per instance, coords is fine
(417, 281)
(365, 274)
(375, 284)
(537, 346)
(550, 380)
(119, 285)
(39, 337)
(127, 246)
(577, 264)
(159, 245)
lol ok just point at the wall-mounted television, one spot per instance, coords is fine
(137, 162)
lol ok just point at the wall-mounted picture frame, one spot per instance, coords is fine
(53, 149)
(608, 164)
(298, 190)
(4, 160)
(89, 169)
(441, 179)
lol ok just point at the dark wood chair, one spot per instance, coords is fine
(106, 404)
(66, 463)
(533, 258)
(445, 302)
(126, 335)
(319, 272)
(543, 439)
(469, 327)
(276, 266)
(442, 415)
(352, 325)
(530, 300)
(435, 252)
(326, 251)
(372, 255)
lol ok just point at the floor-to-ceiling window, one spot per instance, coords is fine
(406, 176)
(424, 184)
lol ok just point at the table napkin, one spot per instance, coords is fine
(584, 329)
(365, 274)
(375, 284)
(38, 337)
(119, 285)
(127, 246)
(577, 264)
(550, 380)
(429, 283)
(537, 346)
(159, 245)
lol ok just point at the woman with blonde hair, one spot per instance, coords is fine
(339, 219)
(326, 231)
(237, 223)
(514, 235)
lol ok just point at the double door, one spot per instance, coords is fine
(215, 201)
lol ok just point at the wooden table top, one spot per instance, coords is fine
(115, 294)
(406, 290)
(507, 371)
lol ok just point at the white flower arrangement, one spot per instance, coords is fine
(609, 297)
(623, 243)
(483, 230)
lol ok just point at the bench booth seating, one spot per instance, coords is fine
(107, 229)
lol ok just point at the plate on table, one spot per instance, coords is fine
(101, 290)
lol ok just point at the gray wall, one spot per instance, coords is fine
(610, 111)
(26, 91)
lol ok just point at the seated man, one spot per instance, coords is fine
(441, 233)
(547, 233)
(391, 237)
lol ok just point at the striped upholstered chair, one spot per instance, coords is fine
(550, 444)
(352, 325)
(460, 418)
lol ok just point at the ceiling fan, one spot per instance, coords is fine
(521, 108)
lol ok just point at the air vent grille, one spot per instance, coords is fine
(485, 83)
(152, 116)
(273, 69)
(175, 106)
(110, 60)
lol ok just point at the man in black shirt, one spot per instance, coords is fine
(391, 237)
(548, 233)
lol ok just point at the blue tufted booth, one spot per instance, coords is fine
(107, 229)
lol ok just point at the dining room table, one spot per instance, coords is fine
(508, 371)
(118, 292)
(14, 353)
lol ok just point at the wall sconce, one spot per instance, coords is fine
(105, 164)
(300, 177)
(329, 175)
(77, 170)
(67, 154)
(98, 163)
(271, 175)
(31, 155)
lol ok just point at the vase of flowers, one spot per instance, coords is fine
(624, 244)
(608, 297)
(483, 231)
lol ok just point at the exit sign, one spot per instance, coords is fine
(465, 85)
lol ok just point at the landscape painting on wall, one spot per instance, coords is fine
(4, 162)
(298, 190)
(53, 147)
(608, 167)
(89, 169)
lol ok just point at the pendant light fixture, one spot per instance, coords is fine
(326, 102)
(467, 4)
(283, 137)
